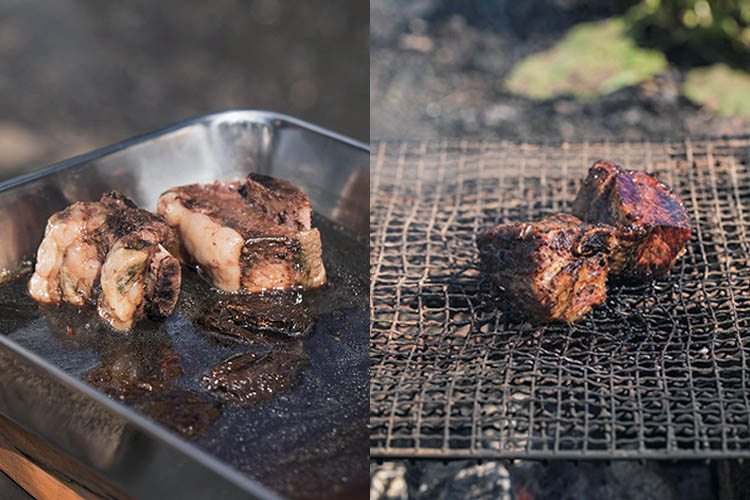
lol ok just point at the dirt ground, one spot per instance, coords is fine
(437, 70)
(80, 74)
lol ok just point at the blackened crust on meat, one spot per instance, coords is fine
(554, 269)
(114, 243)
(261, 246)
(162, 285)
(115, 200)
(652, 224)
(225, 206)
(278, 200)
(282, 262)
(133, 228)
(125, 218)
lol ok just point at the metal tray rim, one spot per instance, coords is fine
(249, 114)
(223, 469)
(133, 417)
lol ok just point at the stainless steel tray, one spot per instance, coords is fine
(315, 433)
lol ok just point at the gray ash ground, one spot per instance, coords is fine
(525, 480)
(437, 68)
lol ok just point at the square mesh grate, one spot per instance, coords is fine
(659, 371)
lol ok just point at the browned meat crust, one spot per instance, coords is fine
(652, 224)
(553, 269)
(122, 247)
(125, 218)
(262, 239)
(162, 287)
(224, 204)
(278, 200)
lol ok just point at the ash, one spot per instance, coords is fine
(528, 480)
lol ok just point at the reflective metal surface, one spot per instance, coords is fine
(41, 383)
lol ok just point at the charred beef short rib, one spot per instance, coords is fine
(115, 244)
(652, 224)
(253, 235)
(553, 269)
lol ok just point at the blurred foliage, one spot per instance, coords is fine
(592, 59)
(721, 89)
(713, 30)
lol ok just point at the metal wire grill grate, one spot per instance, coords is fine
(659, 371)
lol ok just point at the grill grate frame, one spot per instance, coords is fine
(659, 371)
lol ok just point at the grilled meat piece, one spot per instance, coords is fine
(652, 224)
(554, 269)
(122, 246)
(253, 235)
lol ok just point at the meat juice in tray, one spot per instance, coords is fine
(109, 251)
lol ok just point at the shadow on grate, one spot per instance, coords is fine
(659, 371)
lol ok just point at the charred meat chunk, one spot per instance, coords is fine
(554, 269)
(652, 224)
(251, 236)
(112, 242)
(253, 377)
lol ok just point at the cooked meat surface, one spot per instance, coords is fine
(652, 224)
(123, 247)
(252, 236)
(278, 200)
(553, 269)
(69, 259)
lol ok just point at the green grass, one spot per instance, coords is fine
(721, 89)
(593, 59)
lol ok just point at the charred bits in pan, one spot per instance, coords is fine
(252, 377)
(271, 315)
(184, 412)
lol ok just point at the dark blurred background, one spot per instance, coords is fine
(536, 69)
(76, 75)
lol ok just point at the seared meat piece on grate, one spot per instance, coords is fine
(252, 235)
(554, 269)
(652, 224)
(117, 243)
